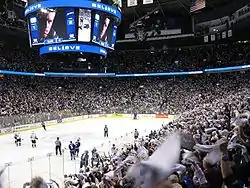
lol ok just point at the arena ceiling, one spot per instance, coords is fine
(166, 7)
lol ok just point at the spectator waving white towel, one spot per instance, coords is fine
(159, 165)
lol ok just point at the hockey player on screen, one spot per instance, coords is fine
(106, 130)
(58, 146)
(77, 145)
(33, 139)
(18, 139)
(72, 150)
(136, 134)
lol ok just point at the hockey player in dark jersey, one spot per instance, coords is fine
(43, 125)
(95, 158)
(18, 139)
(136, 134)
(135, 116)
(72, 150)
(58, 146)
(106, 130)
(77, 145)
(84, 159)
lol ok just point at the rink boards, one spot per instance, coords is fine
(26, 127)
(26, 162)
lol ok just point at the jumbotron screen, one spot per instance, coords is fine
(74, 26)
(54, 26)
(116, 3)
(49, 26)
(84, 25)
(104, 32)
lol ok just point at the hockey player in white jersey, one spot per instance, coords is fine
(18, 139)
(33, 139)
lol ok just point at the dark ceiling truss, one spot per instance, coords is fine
(137, 15)
(169, 7)
(143, 17)
(161, 9)
(184, 6)
(165, 7)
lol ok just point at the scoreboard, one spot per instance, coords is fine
(73, 25)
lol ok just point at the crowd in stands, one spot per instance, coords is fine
(177, 59)
(22, 96)
(212, 109)
(180, 59)
(207, 146)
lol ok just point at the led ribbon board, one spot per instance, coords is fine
(59, 48)
(75, 3)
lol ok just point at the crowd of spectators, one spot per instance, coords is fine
(22, 96)
(177, 59)
(207, 146)
(180, 59)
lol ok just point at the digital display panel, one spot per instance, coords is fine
(92, 5)
(104, 31)
(49, 26)
(115, 3)
(34, 1)
(84, 25)
(84, 48)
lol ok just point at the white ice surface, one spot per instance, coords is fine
(91, 134)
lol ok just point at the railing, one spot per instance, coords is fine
(26, 164)
(54, 167)
(11, 121)
(181, 73)
(48, 167)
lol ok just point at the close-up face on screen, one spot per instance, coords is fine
(49, 26)
(104, 29)
(104, 32)
(46, 19)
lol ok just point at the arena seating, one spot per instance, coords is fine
(214, 109)
(178, 59)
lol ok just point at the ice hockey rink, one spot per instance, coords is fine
(25, 162)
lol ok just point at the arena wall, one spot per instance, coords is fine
(26, 127)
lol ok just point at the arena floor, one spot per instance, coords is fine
(26, 162)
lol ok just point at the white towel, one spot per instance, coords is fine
(204, 148)
(213, 151)
(189, 158)
(159, 165)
